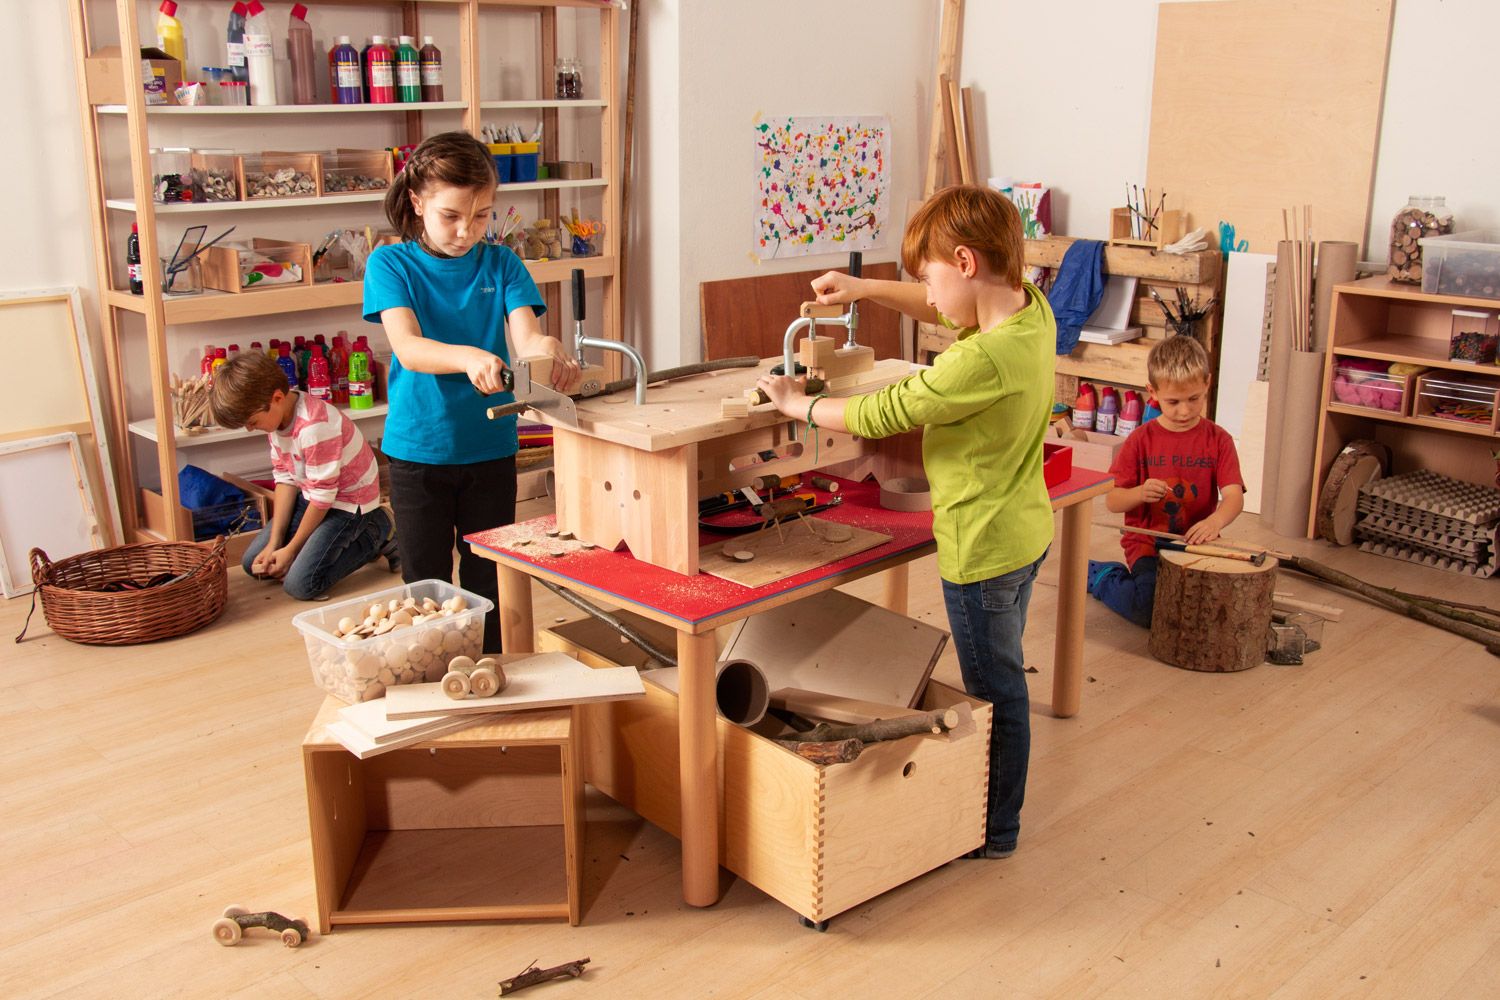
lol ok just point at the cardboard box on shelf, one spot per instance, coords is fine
(1091, 450)
(104, 76)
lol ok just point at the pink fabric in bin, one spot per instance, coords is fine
(1357, 382)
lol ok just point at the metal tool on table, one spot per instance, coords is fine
(580, 341)
(531, 394)
(815, 315)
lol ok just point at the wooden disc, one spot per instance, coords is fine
(742, 555)
(906, 494)
(1211, 613)
(1357, 464)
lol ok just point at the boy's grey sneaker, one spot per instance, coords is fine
(988, 854)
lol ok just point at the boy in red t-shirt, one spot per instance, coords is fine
(1170, 476)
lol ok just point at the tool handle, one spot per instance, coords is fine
(578, 295)
(856, 263)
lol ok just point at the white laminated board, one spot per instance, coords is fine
(45, 503)
(359, 742)
(837, 644)
(1239, 340)
(549, 680)
(369, 719)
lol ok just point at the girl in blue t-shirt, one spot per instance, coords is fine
(445, 297)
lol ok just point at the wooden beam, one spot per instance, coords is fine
(949, 40)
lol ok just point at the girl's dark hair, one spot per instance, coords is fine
(455, 159)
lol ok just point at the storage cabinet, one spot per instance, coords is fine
(1392, 323)
(116, 120)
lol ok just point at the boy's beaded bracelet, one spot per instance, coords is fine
(810, 405)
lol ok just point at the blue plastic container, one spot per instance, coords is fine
(527, 158)
(504, 167)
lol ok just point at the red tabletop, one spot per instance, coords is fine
(695, 599)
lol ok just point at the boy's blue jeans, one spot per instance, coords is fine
(341, 544)
(987, 619)
(1130, 593)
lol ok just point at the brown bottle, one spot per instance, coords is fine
(432, 70)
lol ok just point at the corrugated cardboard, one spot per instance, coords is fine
(104, 75)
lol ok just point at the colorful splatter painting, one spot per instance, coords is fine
(822, 185)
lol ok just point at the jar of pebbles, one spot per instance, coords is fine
(1424, 215)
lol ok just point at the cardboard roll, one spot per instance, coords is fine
(906, 494)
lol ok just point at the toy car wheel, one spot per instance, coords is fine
(484, 682)
(235, 911)
(456, 684)
(291, 937)
(227, 932)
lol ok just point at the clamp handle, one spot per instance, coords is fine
(856, 263)
(578, 295)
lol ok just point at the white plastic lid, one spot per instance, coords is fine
(341, 40)
(426, 39)
(377, 39)
(407, 40)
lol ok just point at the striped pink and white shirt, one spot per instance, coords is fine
(324, 455)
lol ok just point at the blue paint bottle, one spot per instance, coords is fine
(343, 73)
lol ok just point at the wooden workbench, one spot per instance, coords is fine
(695, 606)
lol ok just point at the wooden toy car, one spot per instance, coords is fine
(236, 919)
(464, 675)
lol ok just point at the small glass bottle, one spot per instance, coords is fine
(1423, 216)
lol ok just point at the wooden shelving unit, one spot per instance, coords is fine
(99, 23)
(1388, 321)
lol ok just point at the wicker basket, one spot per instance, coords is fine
(79, 610)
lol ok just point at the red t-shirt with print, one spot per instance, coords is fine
(1195, 464)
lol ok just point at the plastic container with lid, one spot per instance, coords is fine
(1466, 263)
(1366, 383)
(1458, 397)
(172, 176)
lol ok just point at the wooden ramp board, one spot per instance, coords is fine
(838, 644)
(546, 681)
(804, 544)
(369, 719)
(362, 745)
(750, 315)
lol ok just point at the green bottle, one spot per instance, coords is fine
(408, 71)
(361, 386)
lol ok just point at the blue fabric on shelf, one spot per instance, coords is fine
(1077, 290)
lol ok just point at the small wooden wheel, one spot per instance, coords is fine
(484, 682)
(235, 911)
(456, 684)
(227, 931)
(291, 937)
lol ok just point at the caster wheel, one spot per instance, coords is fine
(227, 932)
(291, 937)
(484, 682)
(456, 684)
(234, 911)
(821, 926)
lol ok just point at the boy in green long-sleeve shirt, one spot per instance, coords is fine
(984, 407)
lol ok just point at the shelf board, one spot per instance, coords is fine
(551, 185)
(200, 207)
(1455, 426)
(173, 111)
(521, 105)
(147, 429)
(1429, 351)
(1384, 288)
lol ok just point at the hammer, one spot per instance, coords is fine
(1224, 550)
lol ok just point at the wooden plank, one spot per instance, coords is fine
(940, 158)
(842, 645)
(835, 708)
(1183, 269)
(48, 505)
(801, 545)
(750, 315)
(1275, 75)
(1123, 364)
(544, 681)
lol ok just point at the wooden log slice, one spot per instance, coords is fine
(1211, 614)
(1338, 502)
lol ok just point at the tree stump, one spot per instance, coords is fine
(1211, 613)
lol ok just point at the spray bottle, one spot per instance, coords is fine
(299, 49)
(258, 55)
(380, 75)
(1109, 409)
(319, 384)
(361, 388)
(286, 364)
(169, 32)
(236, 44)
(432, 70)
(408, 71)
(343, 73)
(1083, 408)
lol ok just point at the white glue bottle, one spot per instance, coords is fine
(258, 55)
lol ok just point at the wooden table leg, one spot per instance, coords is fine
(1072, 592)
(517, 631)
(698, 750)
(895, 588)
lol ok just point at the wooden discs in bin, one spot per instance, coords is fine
(1211, 613)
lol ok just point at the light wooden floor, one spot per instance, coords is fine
(1329, 830)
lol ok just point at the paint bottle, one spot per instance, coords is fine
(1152, 410)
(259, 61)
(256, 347)
(274, 351)
(1109, 409)
(206, 363)
(1130, 414)
(169, 32)
(338, 369)
(302, 353)
(319, 384)
(234, 351)
(432, 70)
(380, 74)
(343, 73)
(408, 71)
(221, 358)
(299, 49)
(236, 44)
(1083, 408)
(133, 259)
(361, 388)
(286, 364)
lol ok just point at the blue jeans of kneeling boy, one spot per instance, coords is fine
(340, 544)
(1130, 593)
(987, 619)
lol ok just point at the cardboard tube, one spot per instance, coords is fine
(1299, 438)
(741, 690)
(1336, 259)
(1281, 349)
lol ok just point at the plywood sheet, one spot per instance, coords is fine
(47, 505)
(545, 681)
(750, 315)
(1261, 104)
(841, 645)
(801, 545)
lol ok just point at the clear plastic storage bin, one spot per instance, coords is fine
(350, 171)
(1462, 398)
(355, 670)
(1462, 264)
(172, 176)
(1373, 390)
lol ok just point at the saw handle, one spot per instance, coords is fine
(578, 295)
